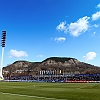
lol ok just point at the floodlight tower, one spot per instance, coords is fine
(3, 39)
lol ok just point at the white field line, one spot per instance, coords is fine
(31, 96)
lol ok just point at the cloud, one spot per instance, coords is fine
(61, 26)
(17, 54)
(95, 25)
(98, 6)
(94, 33)
(90, 56)
(60, 39)
(76, 28)
(96, 16)
(80, 26)
(40, 56)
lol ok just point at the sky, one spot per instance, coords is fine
(39, 29)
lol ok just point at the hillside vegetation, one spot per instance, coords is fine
(66, 65)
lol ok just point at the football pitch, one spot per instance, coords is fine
(49, 91)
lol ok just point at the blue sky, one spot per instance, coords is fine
(39, 29)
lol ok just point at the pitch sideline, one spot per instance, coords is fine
(31, 96)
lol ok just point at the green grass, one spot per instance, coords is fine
(49, 91)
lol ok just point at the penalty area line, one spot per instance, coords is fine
(31, 96)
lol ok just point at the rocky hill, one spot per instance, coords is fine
(61, 65)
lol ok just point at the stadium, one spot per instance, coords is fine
(53, 69)
(58, 29)
(49, 77)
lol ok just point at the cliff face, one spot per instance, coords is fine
(58, 64)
